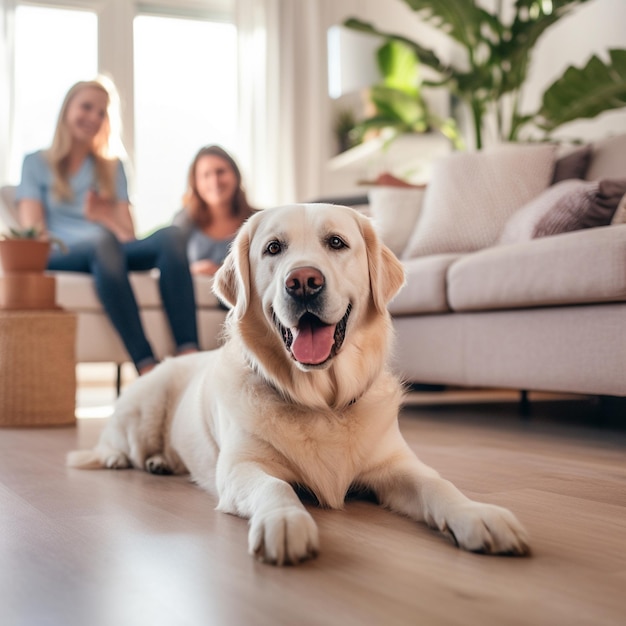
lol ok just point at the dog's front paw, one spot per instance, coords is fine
(486, 528)
(283, 536)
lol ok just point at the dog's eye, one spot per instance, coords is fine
(273, 247)
(336, 243)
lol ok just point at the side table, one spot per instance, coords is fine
(37, 368)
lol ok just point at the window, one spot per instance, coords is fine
(46, 66)
(176, 72)
(185, 97)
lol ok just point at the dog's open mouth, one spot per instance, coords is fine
(313, 342)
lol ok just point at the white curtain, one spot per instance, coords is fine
(7, 83)
(282, 82)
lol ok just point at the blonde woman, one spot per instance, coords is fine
(77, 191)
(215, 207)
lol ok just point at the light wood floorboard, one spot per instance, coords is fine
(104, 548)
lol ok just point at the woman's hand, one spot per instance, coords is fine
(112, 215)
(98, 209)
(204, 267)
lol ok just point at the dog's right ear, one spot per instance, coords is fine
(232, 280)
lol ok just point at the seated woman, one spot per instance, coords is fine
(76, 190)
(215, 206)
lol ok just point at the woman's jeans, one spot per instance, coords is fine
(110, 261)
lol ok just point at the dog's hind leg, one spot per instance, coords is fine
(157, 464)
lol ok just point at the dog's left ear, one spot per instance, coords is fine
(386, 272)
(232, 280)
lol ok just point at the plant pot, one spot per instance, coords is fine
(24, 255)
(26, 291)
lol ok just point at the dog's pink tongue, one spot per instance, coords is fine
(312, 342)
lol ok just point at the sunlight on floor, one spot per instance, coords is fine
(95, 392)
(94, 412)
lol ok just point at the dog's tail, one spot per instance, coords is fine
(84, 459)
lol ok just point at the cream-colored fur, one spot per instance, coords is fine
(250, 422)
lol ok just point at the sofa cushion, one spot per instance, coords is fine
(394, 211)
(425, 288)
(76, 291)
(573, 268)
(470, 197)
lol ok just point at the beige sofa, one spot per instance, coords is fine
(545, 314)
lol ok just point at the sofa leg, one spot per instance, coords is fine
(524, 404)
(118, 379)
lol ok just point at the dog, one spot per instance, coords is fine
(299, 396)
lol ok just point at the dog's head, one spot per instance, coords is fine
(311, 282)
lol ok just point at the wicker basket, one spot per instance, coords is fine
(37, 368)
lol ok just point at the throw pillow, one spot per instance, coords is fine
(394, 211)
(471, 196)
(570, 216)
(572, 165)
(569, 197)
(568, 205)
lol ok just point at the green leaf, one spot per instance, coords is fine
(460, 19)
(24, 233)
(399, 66)
(380, 122)
(585, 92)
(398, 105)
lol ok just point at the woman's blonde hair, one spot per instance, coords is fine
(197, 209)
(106, 148)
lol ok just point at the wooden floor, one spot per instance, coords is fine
(104, 548)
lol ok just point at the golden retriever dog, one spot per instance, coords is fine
(300, 395)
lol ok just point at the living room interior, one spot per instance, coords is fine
(508, 331)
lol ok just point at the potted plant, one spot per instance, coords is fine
(23, 251)
(497, 47)
(398, 102)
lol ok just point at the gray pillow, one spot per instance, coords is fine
(597, 209)
(569, 205)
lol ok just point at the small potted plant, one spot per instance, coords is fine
(23, 250)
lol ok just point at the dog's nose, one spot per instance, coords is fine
(304, 282)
